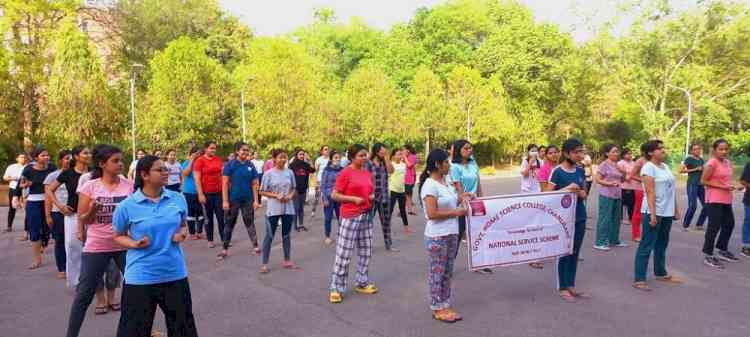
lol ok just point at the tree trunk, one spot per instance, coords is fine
(27, 116)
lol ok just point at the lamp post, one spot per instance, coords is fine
(689, 117)
(133, 69)
(242, 107)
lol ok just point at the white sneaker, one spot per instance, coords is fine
(622, 245)
(602, 248)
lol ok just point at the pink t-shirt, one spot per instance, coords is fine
(99, 233)
(545, 171)
(411, 171)
(628, 184)
(722, 175)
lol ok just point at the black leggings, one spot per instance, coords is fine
(12, 192)
(213, 207)
(248, 218)
(139, 307)
(195, 213)
(628, 200)
(399, 198)
(58, 233)
(93, 268)
(721, 222)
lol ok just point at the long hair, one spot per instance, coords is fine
(457, 146)
(375, 149)
(76, 151)
(568, 147)
(435, 157)
(102, 153)
(144, 166)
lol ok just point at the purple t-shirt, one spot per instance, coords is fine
(610, 173)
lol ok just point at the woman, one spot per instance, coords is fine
(693, 166)
(397, 188)
(380, 167)
(320, 164)
(279, 187)
(588, 168)
(207, 173)
(543, 151)
(32, 178)
(175, 171)
(635, 175)
(195, 209)
(410, 159)
(570, 177)
(442, 208)
(551, 157)
(660, 208)
(628, 186)
(151, 225)
(55, 204)
(354, 192)
(328, 181)
(98, 199)
(69, 178)
(717, 179)
(239, 195)
(13, 176)
(530, 170)
(131, 170)
(609, 177)
(302, 170)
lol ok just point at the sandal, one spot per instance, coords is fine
(211, 244)
(670, 279)
(264, 270)
(536, 265)
(335, 297)
(222, 255)
(456, 315)
(101, 310)
(35, 266)
(115, 306)
(567, 296)
(580, 295)
(61, 275)
(443, 315)
(256, 250)
(289, 265)
(642, 286)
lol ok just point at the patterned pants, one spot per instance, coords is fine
(354, 231)
(383, 209)
(442, 255)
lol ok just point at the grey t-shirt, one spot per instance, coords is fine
(279, 182)
(61, 193)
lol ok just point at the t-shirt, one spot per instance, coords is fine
(321, 163)
(694, 178)
(302, 171)
(188, 184)
(560, 178)
(210, 170)
(61, 193)
(14, 171)
(467, 175)
(544, 173)
(610, 173)
(36, 177)
(70, 179)
(258, 166)
(175, 171)
(162, 260)
(746, 178)
(722, 175)
(530, 183)
(241, 175)
(664, 189)
(411, 170)
(357, 183)
(99, 233)
(268, 165)
(638, 163)
(396, 179)
(281, 182)
(447, 198)
(628, 184)
(133, 164)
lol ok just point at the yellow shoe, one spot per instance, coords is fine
(368, 290)
(335, 297)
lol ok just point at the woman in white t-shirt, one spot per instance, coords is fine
(174, 179)
(441, 207)
(529, 170)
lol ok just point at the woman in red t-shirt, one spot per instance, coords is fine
(354, 192)
(207, 174)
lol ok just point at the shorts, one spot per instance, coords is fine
(35, 219)
(409, 188)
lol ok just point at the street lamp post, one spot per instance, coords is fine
(133, 68)
(689, 117)
(242, 108)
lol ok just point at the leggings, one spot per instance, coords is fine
(721, 223)
(93, 267)
(12, 192)
(628, 200)
(58, 233)
(139, 304)
(399, 198)
(272, 222)
(213, 207)
(195, 213)
(299, 209)
(248, 218)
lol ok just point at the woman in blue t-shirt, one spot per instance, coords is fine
(570, 176)
(195, 209)
(151, 224)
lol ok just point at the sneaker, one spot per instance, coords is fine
(485, 271)
(745, 251)
(727, 256)
(685, 229)
(602, 248)
(622, 245)
(367, 290)
(712, 261)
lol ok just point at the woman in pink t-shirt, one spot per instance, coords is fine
(97, 201)
(717, 178)
(550, 161)
(410, 179)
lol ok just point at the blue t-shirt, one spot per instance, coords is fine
(561, 179)
(468, 175)
(241, 176)
(163, 260)
(188, 184)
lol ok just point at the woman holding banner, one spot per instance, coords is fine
(569, 176)
(442, 208)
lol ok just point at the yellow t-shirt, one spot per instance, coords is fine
(396, 179)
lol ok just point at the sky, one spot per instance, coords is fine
(283, 16)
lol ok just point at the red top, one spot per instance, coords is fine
(210, 169)
(355, 183)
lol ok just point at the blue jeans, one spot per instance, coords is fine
(746, 228)
(695, 193)
(333, 207)
(567, 266)
(272, 223)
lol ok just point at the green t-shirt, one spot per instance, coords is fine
(694, 178)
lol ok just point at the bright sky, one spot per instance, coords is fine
(283, 16)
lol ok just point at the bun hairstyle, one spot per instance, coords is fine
(353, 150)
(568, 146)
(102, 153)
(144, 166)
(434, 159)
(74, 153)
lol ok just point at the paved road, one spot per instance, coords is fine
(232, 299)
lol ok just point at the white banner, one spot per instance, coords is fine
(521, 228)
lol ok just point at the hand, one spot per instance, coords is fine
(179, 236)
(256, 205)
(731, 188)
(202, 198)
(142, 243)
(50, 222)
(652, 223)
(676, 213)
(468, 196)
(66, 210)
(80, 236)
(573, 187)
(372, 197)
(225, 205)
(283, 198)
(195, 156)
(357, 200)
(94, 206)
(460, 211)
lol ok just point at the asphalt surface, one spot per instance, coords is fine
(231, 298)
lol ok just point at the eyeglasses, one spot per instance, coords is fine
(162, 169)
